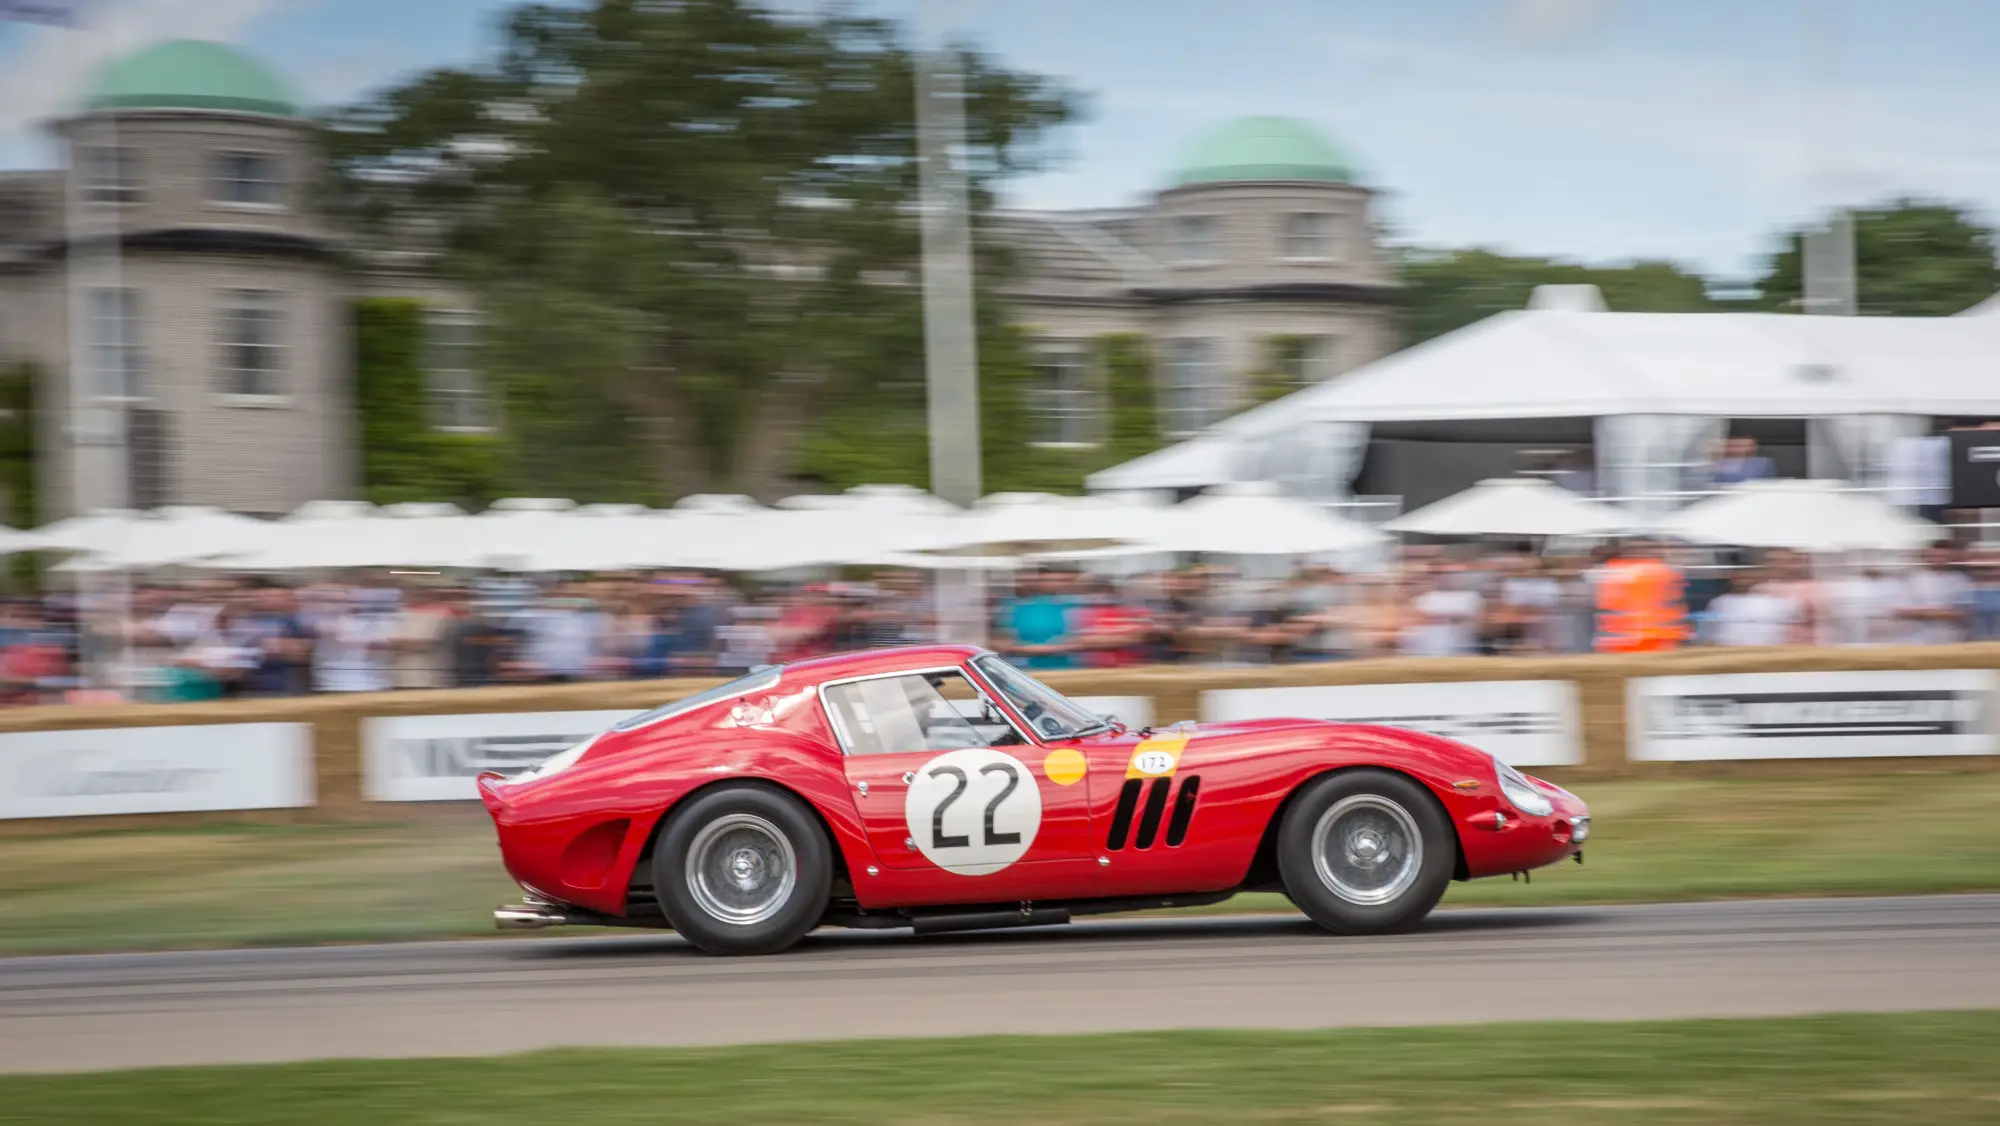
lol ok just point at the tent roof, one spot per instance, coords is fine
(1560, 363)
(1563, 360)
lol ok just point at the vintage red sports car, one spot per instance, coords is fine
(941, 788)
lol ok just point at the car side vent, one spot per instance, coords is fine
(1177, 828)
(1156, 808)
(1121, 818)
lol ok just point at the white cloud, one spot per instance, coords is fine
(38, 81)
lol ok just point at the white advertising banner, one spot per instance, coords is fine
(1519, 722)
(1770, 715)
(155, 770)
(436, 757)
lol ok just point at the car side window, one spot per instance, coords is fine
(919, 712)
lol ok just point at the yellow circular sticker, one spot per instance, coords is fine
(1064, 767)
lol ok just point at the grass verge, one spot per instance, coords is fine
(436, 872)
(1935, 1068)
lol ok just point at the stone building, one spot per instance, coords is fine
(216, 346)
(1254, 269)
(216, 342)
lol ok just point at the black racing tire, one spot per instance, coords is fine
(1365, 820)
(720, 866)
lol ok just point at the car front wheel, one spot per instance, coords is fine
(1365, 852)
(742, 869)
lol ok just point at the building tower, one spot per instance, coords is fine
(219, 327)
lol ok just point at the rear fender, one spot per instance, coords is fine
(800, 768)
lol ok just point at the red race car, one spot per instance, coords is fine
(941, 788)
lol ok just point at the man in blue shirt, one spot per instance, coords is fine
(1039, 621)
(1740, 462)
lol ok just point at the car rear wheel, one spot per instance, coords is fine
(1365, 852)
(742, 869)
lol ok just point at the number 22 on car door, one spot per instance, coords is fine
(952, 805)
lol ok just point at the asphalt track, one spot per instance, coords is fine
(504, 995)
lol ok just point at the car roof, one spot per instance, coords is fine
(870, 661)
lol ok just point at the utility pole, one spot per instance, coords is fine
(1827, 254)
(951, 360)
(951, 353)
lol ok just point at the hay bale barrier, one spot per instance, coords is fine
(1601, 687)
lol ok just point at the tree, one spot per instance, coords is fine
(403, 456)
(1445, 290)
(1911, 259)
(689, 224)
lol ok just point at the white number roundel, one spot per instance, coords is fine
(974, 811)
(1154, 762)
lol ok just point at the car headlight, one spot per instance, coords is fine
(1522, 792)
(555, 763)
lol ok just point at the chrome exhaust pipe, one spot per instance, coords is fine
(528, 917)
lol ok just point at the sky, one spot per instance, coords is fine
(1600, 130)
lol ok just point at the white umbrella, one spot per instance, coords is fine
(613, 537)
(508, 533)
(100, 530)
(1258, 519)
(1046, 521)
(1513, 506)
(881, 499)
(13, 542)
(306, 536)
(1805, 515)
(177, 535)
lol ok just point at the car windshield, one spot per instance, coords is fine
(1049, 712)
(757, 681)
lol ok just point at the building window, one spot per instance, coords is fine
(110, 174)
(1197, 393)
(1195, 239)
(247, 179)
(1308, 237)
(454, 382)
(1300, 361)
(112, 319)
(253, 349)
(1065, 404)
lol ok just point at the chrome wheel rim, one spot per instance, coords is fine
(741, 869)
(1367, 849)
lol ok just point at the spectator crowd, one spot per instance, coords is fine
(228, 636)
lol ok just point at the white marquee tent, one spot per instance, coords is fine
(1657, 385)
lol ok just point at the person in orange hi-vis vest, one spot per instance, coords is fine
(1641, 604)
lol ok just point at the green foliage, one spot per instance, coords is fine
(20, 485)
(1911, 259)
(1447, 290)
(1127, 360)
(886, 441)
(688, 236)
(1283, 369)
(403, 458)
(20, 386)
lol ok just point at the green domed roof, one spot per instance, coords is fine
(1261, 148)
(189, 74)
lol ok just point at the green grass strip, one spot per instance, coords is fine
(1931, 1068)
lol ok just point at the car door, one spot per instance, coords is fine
(959, 805)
